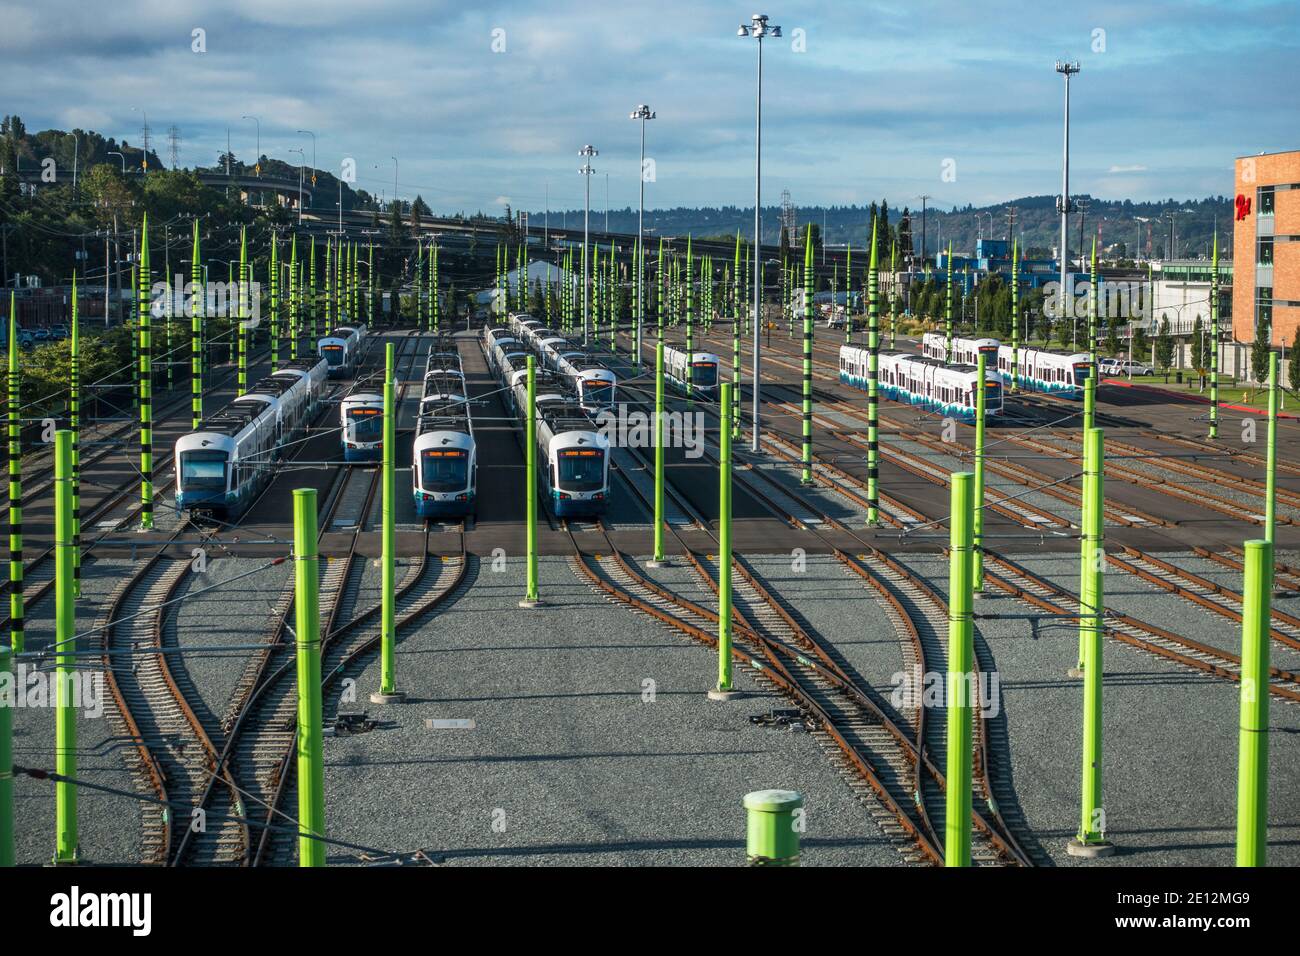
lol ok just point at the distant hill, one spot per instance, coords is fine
(1037, 223)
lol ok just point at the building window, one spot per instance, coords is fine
(1264, 251)
(1263, 307)
(1265, 200)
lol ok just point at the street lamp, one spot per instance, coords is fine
(308, 132)
(587, 151)
(257, 159)
(121, 157)
(758, 28)
(641, 113)
(303, 161)
(1066, 68)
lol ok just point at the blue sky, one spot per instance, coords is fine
(878, 98)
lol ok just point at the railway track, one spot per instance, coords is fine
(172, 757)
(877, 757)
(1041, 594)
(1219, 600)
(261, 723)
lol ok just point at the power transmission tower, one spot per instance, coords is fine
(1010, 216)
(174, 145)
(787, 214)
(145, 131)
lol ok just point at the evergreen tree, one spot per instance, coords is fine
(1259, 352)
(1293, 364)
(1165, 346)
(1112, 338)
(1141, 345)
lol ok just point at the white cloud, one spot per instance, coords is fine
(1136, 168)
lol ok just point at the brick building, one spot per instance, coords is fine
(1266, 246)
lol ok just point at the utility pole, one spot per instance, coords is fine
(924, 199)
(586, 170)
(1067, 69)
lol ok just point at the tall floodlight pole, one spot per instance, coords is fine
(308, 132)
(641, 113)
(1067, 69)
(257, 160)
(758, 28)
(302, 161)
(586, 152)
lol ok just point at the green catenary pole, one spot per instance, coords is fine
(1091, 839)
(244, 293)
(196, 332)
(659, 557)
(388, 630)
(135, 336)
(1214, 342)
(1090, 389)
(531, 598)
(893, 302)
(807, 476)
(690, 319)
(311, 758)
(960, 703)
(437, 306)
(848, 291)
(6, 764)
(16, 638)
(74, 422)
(725, 686)
(661, 280)
(274, 277)
(370, 287)
(1252, 747)
(1270, 474)
(313, 295)
(735, 346)
(977, 536)
(873, 382)
(330, 318)
(167, 313)
(947, 355)
(146, 385)
(65, 629)
(1015, 315)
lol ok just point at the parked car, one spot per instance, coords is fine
(59, 331)
(1125, 367)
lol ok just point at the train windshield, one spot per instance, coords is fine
(444, 469)
(1082, 371)
(992, 395)
(365, 424)
(704, 374)
(582, 469)
(203, 471)
(333, 354)
(596, 391)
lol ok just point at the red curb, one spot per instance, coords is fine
(1123, 383)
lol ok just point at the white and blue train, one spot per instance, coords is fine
(574, 454)
(444, 459)
(949, 390)
(965, 351)
(361, 420)
(594, 385)
(342, 350)
(223, 464)
(694, 374)
(1064, 374)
